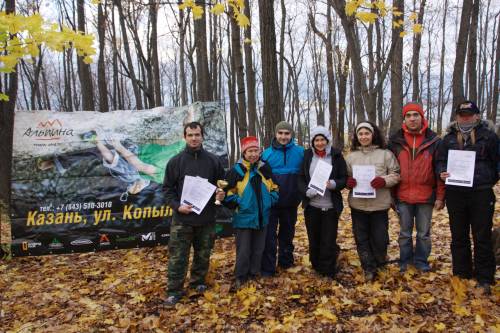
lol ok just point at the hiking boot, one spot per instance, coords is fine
(369, 276)
(201, 288)
(171, 301)
(485, 287)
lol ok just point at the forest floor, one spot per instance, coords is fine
(122, 291)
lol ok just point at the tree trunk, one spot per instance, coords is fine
(472, 53)
(101, 68)
(155, 62)
(83, 68)
(494, 104)
(250, 75)
(272, 104)
(460, 53)
(397, 74)
(200, 40)
(7, 124)
(126, 47)
(238, 72)
(417, 40)
(440, 106)
(182, 66)
(282, 52)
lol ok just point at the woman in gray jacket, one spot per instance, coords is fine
(369, 208)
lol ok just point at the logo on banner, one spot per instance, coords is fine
(49, 130)
(164, 235)
(81, 242)
(55, 244)
(124, 239)
(150, 236)
(30, 245)
(104, 240)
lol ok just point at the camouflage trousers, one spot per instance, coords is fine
(179, 246)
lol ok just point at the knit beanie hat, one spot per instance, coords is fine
(248, 142)
(413, 106)
(283, 125)
(320, 130)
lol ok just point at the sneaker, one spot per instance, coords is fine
(201, 288)
(423, 268)
(485, 287)
(171, 301)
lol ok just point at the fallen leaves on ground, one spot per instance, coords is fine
(122, 291)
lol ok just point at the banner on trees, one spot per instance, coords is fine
(90, 181)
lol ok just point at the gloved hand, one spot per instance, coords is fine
(331, 184)
(310, 193)
(377, 182)
(351, 182)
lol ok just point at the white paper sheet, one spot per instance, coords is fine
(461, 164)
(196, 192)
(320, 176)
(363, 174)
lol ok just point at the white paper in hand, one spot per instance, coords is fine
(320, 176)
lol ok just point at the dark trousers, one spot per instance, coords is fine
(322, 226)
(472, 210)
(249, 248)
(282, 238)
(371, 234)
(179, 245)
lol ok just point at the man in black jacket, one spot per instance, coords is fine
(189, 228)
(471, 207)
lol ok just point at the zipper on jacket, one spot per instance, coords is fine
(284, 155)
(414, 148)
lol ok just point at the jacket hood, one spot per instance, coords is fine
(452, 127)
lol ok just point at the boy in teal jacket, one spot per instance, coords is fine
(252, 192)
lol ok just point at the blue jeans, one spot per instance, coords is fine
(421, 216)
(280, 234)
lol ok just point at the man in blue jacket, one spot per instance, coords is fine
(285, 159)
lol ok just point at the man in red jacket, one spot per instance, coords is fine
(419, 190)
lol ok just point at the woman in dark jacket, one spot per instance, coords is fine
(322, 212)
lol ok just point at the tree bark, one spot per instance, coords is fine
(460, 53)
(472, 53)
(417, 41)
(7, 124)
(397, 74)
(200, 40)
(238, 72)
(101, 68)
(250, 74)
(272, 103)
(83, 68)
(155, 61)
(494, 104)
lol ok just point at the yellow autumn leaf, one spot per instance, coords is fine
(325, 313)
(351, 7)
(413, 16)
(479, 320)
(247, 41)
(242, 20)
(366, 17)
(402, 33)
(197, 12)
(397, 13)
(218, 9)
(461, 311)
(440, 326)
(4, 97)
(417, 28)
(294, 297)
(384, 316)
